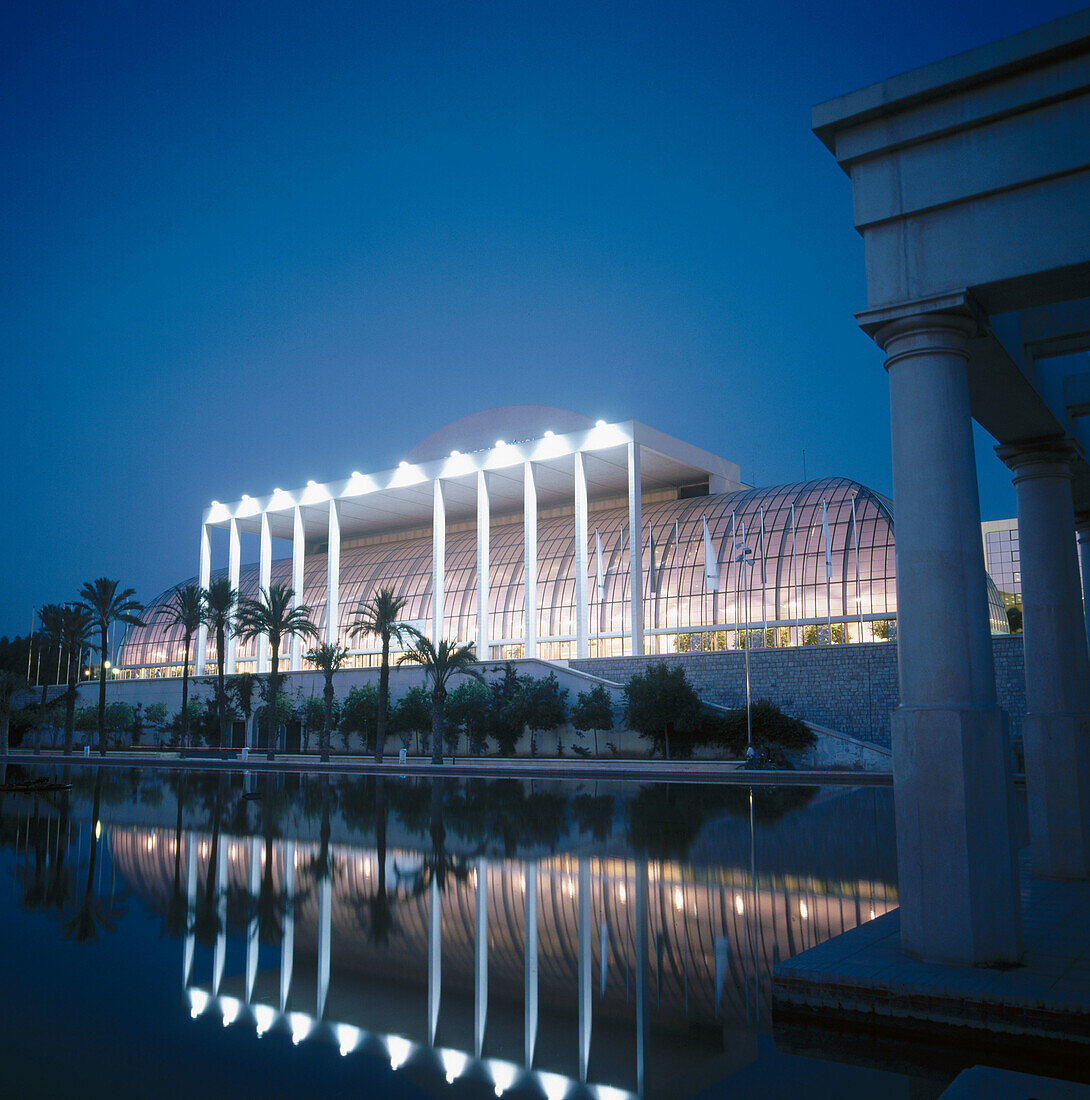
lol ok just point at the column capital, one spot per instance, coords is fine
(956, 313)
(1049, 457)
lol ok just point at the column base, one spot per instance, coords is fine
(954, 801)
(1058, 791)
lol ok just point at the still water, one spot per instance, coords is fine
(203, 933)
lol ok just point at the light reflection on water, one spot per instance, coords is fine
(523, 937)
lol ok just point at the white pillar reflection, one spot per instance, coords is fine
(435, 956)
(585, 1003)
(191, 907)
(252, 926)
(219, 953)
(530, 982)
(325, 928)
(480, 958)
(287, 940)
(643, 976)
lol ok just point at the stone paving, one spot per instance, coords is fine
(863, 973)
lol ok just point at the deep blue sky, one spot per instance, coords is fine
(245, 245)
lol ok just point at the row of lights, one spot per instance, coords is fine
(403, 464)
(398, 1049)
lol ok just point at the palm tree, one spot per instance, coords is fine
(76, 633)
(272, 614)
(379, 617)
(328, 658)
(108, 606)
(11, 683)
(440, 662)
(220, 600)
(242, 688)
(184, 609)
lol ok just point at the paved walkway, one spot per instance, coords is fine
(862, 974)
(692, 771)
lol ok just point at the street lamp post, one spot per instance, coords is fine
(743, 554)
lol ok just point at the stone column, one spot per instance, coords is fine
(529, 558)
(333, 576)
(204, 575)
(298, 552)
(1082, 531)
(483, 540)
(1056, 728)
(953, 794)
(635, 548)
(264, 580)
(234, 556)
(438, 562)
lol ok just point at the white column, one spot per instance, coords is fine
(233, 563)
(585, 1001)
(953, 794)
(582, 612)
(1056, 728)
(530, 965)
(483, 538)
(333, 576)
(298, 551)
(635, 548)
(480, 958)
(264, 580)
(529, 557)
(435, 957)
(252, 927)
(438, 561)
(1082, 531)
(287, 940)
(204, 575)
(325, 928)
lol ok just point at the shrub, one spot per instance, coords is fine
(771, 727)
(661, 702)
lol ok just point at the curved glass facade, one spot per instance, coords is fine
(799, 564)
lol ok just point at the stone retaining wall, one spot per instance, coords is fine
(849, 688)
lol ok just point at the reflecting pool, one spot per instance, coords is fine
(221, 932)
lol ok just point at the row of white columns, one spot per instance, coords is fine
(953, 788)
(434, 952)
(439, 525)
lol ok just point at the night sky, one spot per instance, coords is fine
(245, 245)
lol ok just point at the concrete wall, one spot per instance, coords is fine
(852, 689)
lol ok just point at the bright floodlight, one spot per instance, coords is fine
(348, 1038)
(265, 1015)
(215, 504)
(229, 1009)
(246, 496)
(275, 491)
(503, 1076)
(454, 1061)
(549, 434)
(356, 473)
(599, 423)
(312, 482)
(399, 1050)
(501, 442)
(198, 1002)
(554, 1086)
(300, 1027)
(455, 454)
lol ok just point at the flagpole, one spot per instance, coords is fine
(30, 644)
(795, 592)
(858, 591)
(828, 572)
(764, 588)
(740, 556)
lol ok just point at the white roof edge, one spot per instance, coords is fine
(1069, 33)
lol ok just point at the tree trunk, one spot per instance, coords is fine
(273, 722)
(438, 696)
(102, 692)
(327, 725)
(70, 709)
(221, 691)
(185, 696)
(383, 699)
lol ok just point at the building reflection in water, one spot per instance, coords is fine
(425, 957)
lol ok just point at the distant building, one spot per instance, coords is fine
(1002, 559)
(512, 529)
